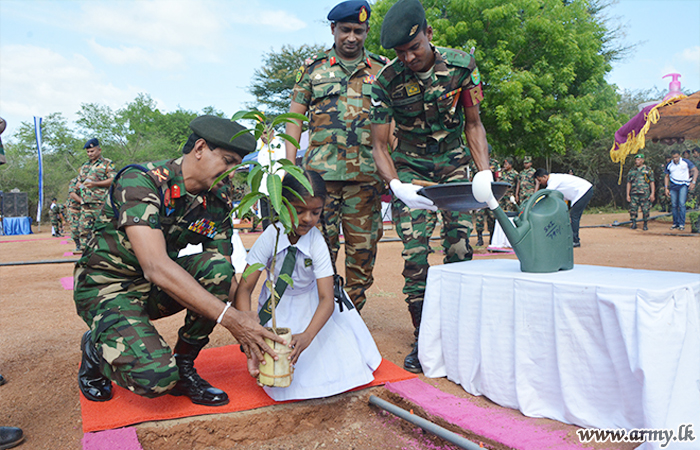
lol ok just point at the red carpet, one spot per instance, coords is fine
(223, 367)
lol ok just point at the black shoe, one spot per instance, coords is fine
(411, 363)
(577, 244)
(645, 227)
(2, 380)
(10, 437)
(94, 386)
(191, 384)
(634, 225)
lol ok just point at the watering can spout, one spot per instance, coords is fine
(513, 233)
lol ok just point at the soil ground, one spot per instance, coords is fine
(40, 334)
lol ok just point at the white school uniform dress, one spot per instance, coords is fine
(343, 354)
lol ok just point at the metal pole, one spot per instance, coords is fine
(427, 425)
(52, 261)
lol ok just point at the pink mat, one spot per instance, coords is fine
(64, 242)
(67, 283)
(121, 438)
(68, 254)
(501, 425)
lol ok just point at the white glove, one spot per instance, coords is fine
(408, 193)
(481, 188)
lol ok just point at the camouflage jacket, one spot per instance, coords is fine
(527, 182)
(338, 107)
(509, 176)
(73, 188)
(99, 170)
(640, 179)
(430, 108)
(157, 199)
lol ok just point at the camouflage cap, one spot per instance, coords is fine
(353, 11)
(527, 159)
(219, 131)
(641, 155)
(402, 23)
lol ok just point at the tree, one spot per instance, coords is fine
(273, 83)
(542, 68)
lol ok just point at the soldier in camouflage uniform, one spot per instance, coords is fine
(662, 198)
(640, 190)
(73, 212)
(510, 176)
(526, 182)
(55, 216)
(484, 217)
(130, 273)
(334, 88)
(94, 179)
(433, 95)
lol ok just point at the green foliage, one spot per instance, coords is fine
(273, 83)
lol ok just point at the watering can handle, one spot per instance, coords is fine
(423, 183)
(534, 199)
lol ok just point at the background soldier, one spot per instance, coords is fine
(56, 217)
(433, 95)
(73, 212)
(484, 218)
(640, 190)
(510, 176)
(526, 182)
(337, 102)
(93, 181)
(120, 289)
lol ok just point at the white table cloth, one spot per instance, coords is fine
(600, 347)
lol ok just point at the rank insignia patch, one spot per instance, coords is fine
(412, 89)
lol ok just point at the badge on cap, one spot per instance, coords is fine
(413, 30)
(362, 17)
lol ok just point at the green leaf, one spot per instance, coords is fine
(252, 268)
(285, 218)
(299, 175)
(255, 177)
(296, 194)
(247, 202)
(291, 211)
(287, 279)
(274, 190)
(289, 138)
(289, 115)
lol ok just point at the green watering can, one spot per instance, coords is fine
(541, 238)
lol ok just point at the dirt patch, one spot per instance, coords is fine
(40, 354)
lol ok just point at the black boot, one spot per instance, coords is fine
(634, 224)
(479, 238)
(645, 227)
(10, 437)
(191, 384)
(92, 383)
(411, 363)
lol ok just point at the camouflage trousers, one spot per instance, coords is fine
(74, 223)
(86, 223)
(483, 217)
(56, 225)
(357, 206)
(119, 311)
(639, 201)
(416, 226)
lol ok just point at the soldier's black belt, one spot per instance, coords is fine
(431, 148)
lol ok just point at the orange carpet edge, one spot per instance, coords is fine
(225, 368)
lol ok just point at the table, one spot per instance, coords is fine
(594, 346)
(16, 225)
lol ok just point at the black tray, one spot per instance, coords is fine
(459, 197)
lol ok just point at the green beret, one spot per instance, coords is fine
(402, 23)
(527, 159)
(219, 132)
(641, 155)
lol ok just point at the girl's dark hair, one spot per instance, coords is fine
(319, 187)
(317, 184)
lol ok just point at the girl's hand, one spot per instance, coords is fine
(299, 343)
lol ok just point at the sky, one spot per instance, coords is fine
(56, 55)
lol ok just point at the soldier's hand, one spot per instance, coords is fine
(629, 199)
(244, 326)
(408, 193)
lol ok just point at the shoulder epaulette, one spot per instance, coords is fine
(381, 58)
(320, 56)
(456, 57)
